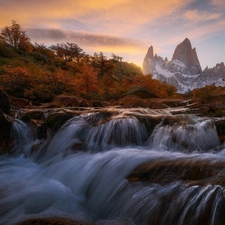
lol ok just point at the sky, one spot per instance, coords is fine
(124, 27)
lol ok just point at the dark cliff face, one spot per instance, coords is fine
(185, 54)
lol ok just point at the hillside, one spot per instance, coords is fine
(39, 73)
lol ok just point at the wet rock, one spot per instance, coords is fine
(6, 140)
(20, 102)
(191, 172)
(131, 101)
(69, 101)
(220, 127)
(5, 105)
(57, 120)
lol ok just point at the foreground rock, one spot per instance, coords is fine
(51, 221)
(188, 171)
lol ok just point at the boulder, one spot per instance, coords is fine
(5, 105)
(20, 102)
(69, 101)
(131, 101)
(141, 92)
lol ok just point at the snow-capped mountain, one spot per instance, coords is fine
(184, 70)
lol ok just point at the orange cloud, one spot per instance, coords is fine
(106, 16)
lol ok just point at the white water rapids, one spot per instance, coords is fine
(91, 185)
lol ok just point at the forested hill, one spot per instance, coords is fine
(39, 73)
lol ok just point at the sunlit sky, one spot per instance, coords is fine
(124, 27)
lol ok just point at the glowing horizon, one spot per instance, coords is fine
(126, 28)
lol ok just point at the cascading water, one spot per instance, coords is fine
(194, 136)
(103, 167)
(22, 138)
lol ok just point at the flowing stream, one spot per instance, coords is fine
(98, 168)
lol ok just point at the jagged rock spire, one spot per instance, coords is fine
(150, 53)
(148, 63)
(185, 54)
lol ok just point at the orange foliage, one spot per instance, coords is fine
(16, 80)
(86, 82)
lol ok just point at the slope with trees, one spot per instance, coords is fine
(39, 73)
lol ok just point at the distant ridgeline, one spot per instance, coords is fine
(184, 70)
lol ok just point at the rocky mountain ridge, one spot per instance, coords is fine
(184, 70)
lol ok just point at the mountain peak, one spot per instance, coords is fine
(150, 53)
(187, 40)
(185, 54)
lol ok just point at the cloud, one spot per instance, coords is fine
(218, 3)
(196, 17)
(104, 16)
(93, 41)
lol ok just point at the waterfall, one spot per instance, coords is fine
(117, 132)
(198, 136)
(107, 168)
(22, 138)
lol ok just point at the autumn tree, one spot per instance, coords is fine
(16, 37)
(68, 51)
(117, 57)
(16, 80)
(101, 64)
(87, 82)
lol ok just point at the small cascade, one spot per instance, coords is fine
(94, 133)
(22, 138)
(70, 137)
(187, 137)
(118, 132)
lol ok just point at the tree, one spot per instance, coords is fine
(16, 80)
(16, 37)
(101, 64)
(69, 51)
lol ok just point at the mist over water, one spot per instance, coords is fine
(83, 171)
